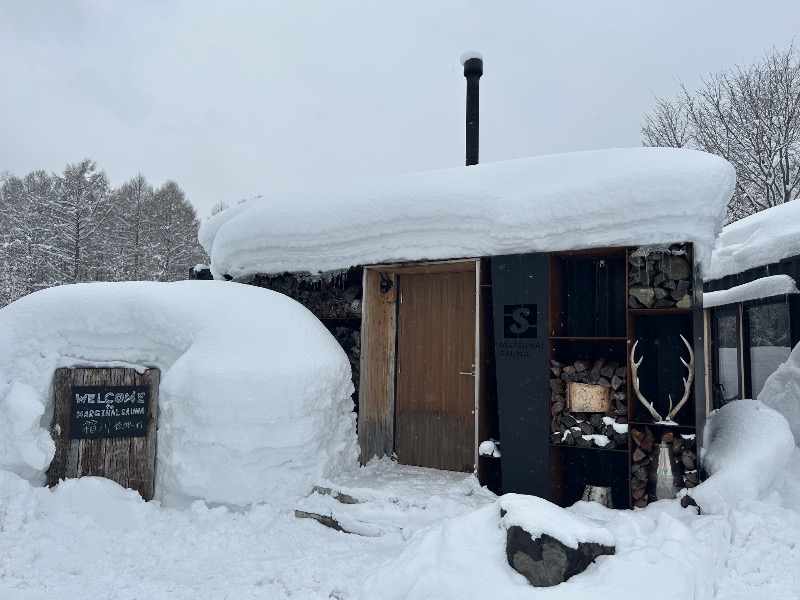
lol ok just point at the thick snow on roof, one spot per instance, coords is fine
(773, 285)
(760, 239)
(567, 201)
(254, 400)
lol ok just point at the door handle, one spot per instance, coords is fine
(468, 373)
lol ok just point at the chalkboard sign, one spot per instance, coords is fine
(108, 412)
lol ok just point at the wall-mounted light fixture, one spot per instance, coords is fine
(386, 283)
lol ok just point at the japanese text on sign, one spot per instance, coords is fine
(108, 411)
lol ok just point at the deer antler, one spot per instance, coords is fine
(687, 381)
(635, 379)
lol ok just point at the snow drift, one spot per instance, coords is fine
(567, 201)
(746, 446)
(255, 397)
(782, 392)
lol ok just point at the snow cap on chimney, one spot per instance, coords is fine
(468, 55)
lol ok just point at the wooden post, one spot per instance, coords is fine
(119, 444)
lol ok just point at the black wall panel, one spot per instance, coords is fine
(520, 306)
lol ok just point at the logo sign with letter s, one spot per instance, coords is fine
(519, 320)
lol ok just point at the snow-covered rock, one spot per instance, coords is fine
(617, 197)
(255, 397)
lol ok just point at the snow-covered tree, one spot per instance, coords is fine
(173, 229)
(748, 115)
(57, 229)
(26, 248)
(133, 206)
(81, 208)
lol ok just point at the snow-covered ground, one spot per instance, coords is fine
(423, 533)
(440, 536)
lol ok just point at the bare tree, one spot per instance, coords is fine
(748, 115)
(218, 207)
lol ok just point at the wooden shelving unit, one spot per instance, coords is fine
(591, 317)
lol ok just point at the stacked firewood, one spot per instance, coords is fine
(660, 278)
(324, 298)
(682, 448)
(349, 339)
(585, 429)
(341, 303)
(304, 290)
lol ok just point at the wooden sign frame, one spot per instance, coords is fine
(130, 461)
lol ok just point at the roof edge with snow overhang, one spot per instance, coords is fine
(619, 197)
(763, 238)
(765, 287)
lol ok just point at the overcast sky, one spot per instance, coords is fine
(235, 99)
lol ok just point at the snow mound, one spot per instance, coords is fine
(760, 239)
(465, 556)
(746, 445)
(255, 396)
(782, 392)
(615, 197)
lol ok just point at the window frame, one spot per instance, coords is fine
(728, 310)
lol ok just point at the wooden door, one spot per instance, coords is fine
(115, 453)
(435, 409)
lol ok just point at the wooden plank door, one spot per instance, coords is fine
(435, 407)
(130, 461)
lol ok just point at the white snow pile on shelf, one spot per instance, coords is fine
(747, 446)
(782, 392)
(765, 287)
(255, 396)
(760, 239)
(628, 196)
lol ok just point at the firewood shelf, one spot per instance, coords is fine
(592, 316)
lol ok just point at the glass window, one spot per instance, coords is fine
(770, 341)
(727, 358)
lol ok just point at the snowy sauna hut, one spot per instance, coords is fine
(752, 301)
(490, 310)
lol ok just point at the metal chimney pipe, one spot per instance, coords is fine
(473, 69)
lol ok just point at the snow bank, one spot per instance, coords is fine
(254, 400)
(782, 392)
(670, 548)
(566, 201)
(760, 239)
(746, 446)
(774, 285)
